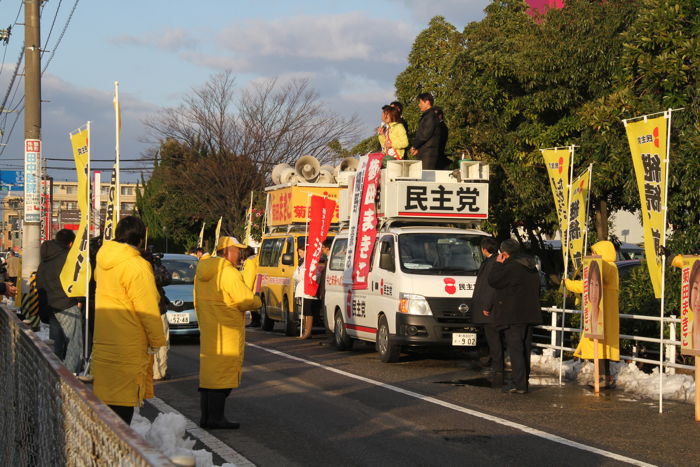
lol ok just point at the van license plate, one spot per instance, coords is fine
(178, 318)
(464, 338)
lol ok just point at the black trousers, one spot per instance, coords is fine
(519, 343)
(124, 412)
(495, 342)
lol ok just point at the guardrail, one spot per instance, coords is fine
(670, 352)
(48, 417)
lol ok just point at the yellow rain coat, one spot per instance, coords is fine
(398, 137)
(220, 300)
(250, 272)
(609, 347)
(127, 323)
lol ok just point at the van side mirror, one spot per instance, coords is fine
(386, 261)
(288, 259)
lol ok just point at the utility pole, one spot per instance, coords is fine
(32, 138)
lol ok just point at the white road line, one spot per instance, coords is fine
(223, 450)
(473, 413)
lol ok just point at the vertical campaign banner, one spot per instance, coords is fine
(320, 214)
(95, 202)
(557, 161)
(648, 143)
(355, 190)
(690, 306)
(76, 269)
(593, 315)
(46, 208)
(32, 193)
(217, 233)
(200, 242)
(366, 221)
(111, 219)
(578, 216)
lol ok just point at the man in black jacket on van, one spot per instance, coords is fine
(516, 307)
(482, 304)
(426, 141)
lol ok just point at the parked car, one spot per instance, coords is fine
(182, 318)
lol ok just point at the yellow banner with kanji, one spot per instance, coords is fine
(557, 162)
(111, 219)
(648, 140)
(578, 216)
(217, 232)
(76, 269)
(690, 305)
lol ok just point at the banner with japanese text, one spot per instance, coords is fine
(76, 269)
(648, 143)
(366, 220)
(200, 242)
(578, 217)
(593, 315)
(320, 214)
(690, 305)
(557, 162)
(111, 219)
(217, 233)
(355, 192)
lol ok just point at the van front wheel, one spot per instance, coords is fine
(265, 322)
(340, 335)
(290, 324)
(388, 352)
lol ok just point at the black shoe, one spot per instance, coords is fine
(513, 390)
(216, 418)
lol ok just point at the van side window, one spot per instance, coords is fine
(387, 260)
(277, 251)
(337, 260)
(266, 253)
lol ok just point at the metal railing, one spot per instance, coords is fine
(671, 344)
(49, 418)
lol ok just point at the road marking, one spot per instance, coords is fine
(223, 450)
(473, 413)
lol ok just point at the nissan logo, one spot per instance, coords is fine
(178, 303)
(463, 308)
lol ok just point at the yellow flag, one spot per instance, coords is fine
(111, 220)
(201, 235)
(76, 269)
(578, 217)
(647, 140)
(216, 235)
(249, 218)
(557, 162)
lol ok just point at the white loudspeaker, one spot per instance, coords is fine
(277, 172)
(326, 175)
(288, 175)
(348, 164)
(308, 168)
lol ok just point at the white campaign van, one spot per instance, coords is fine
(423, 266)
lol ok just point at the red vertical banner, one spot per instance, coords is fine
(367, 222)
(320, 215)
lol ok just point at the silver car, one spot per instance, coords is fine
(182, 318)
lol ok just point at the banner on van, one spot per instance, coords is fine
(288, 205)
(320, 212)
(366, 221)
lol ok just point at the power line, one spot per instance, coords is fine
(48, 36)
(60, 38)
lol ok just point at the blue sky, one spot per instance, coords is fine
(159, 50)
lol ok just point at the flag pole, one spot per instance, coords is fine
(565, 252)
(87, 271)
(662, 246)
(117, 148)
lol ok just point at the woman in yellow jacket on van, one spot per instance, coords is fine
(221, 299)
(609, 347)
(392, 134)
(128, 326)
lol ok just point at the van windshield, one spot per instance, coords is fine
(440, 253)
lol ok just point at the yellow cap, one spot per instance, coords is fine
(225, 242)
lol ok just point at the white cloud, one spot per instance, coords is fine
(172, 39)
(457, 12)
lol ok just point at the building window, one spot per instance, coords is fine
(127, 208)
(105, 190)
(127, 191)
(71, 189)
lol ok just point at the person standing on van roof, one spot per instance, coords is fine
(221, 299)
(399, 106)
(426, 141)
(516, 307)
(482, 304)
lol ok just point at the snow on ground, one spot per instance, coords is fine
(627, 376)
(167, 433)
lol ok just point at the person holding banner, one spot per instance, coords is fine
(609, 346)
(392, 134)
(311, 305)
(128, 326)
(221, 299)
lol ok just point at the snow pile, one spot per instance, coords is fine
(167, 433)
(43, 332)
(627, 376)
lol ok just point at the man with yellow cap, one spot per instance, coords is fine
(221, 299)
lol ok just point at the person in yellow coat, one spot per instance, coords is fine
(128, 326)
(392, 134)
(609, 347)
(250, 276)
(221, 299)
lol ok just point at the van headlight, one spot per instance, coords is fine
(414, 304)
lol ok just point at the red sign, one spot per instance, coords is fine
(321, 213)
(367, 221)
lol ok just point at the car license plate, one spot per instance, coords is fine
(178, 318)
(464, 338)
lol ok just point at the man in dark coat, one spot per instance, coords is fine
(516, 307)
(62, 312)
(426, 141)
(482, 304)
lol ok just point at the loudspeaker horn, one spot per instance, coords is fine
(308, 168)
(288, 175)
(349, 164)
(326, 175)
(277, 172)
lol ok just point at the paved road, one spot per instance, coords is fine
(305, 403)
